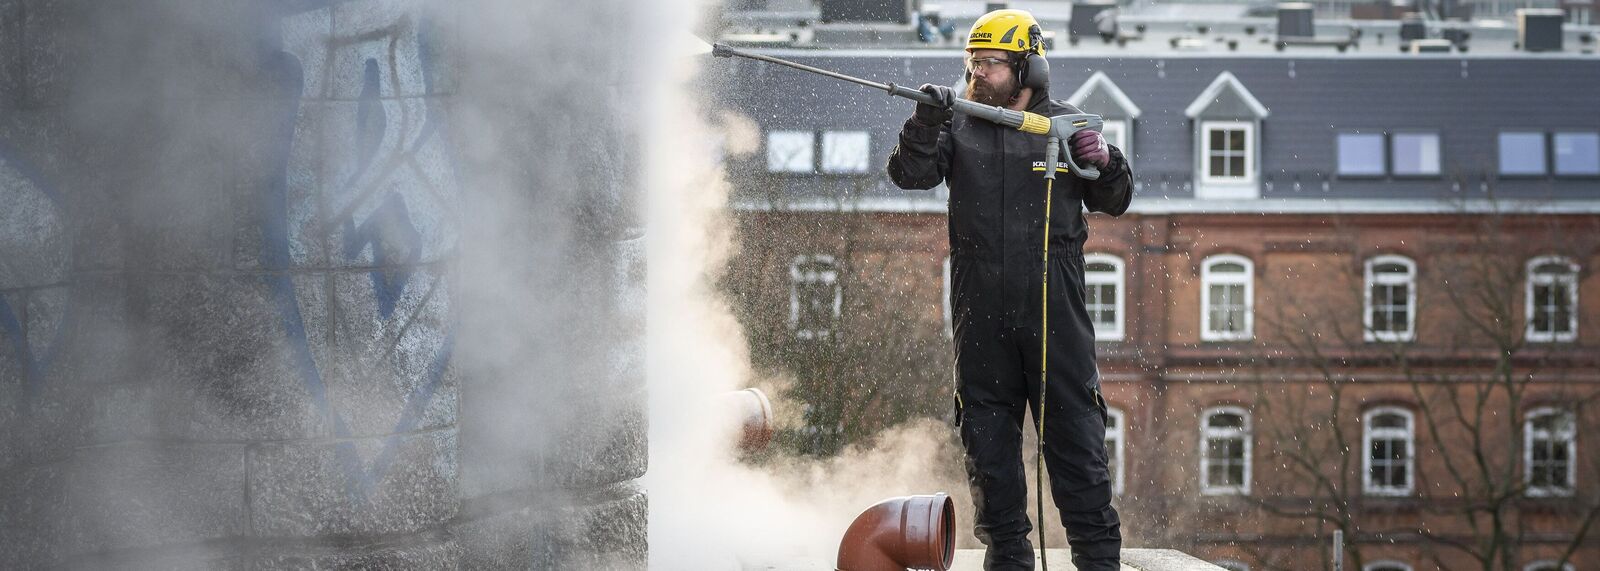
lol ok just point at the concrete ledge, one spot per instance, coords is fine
(1132, 560)
(1060, 560)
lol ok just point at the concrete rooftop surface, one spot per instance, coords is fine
(1060, 560)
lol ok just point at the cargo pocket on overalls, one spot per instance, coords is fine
(958, 409)
(1100, 401)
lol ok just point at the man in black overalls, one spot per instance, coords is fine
(994, 174)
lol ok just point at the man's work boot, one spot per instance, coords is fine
(1011, 556)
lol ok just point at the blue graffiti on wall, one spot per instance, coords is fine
(35, 362)
(389, 230)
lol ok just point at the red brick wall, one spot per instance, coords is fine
(1308, 288)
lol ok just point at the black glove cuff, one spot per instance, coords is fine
(915, 124)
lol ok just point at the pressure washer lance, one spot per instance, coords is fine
(1055, 129)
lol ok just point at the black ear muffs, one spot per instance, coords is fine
(1035, 73)
(1032, 69)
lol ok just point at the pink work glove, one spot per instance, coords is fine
(1090, 147)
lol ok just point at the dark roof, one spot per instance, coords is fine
(1467, 100)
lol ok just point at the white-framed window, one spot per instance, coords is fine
(1228, 149)
(1389, 438)
(815, 297)
(1226, 298)
(1116, 442)
(1414, 153)
(949, 311)
(1361, 154)
(1118, 132)
(1386, 566)
(1552, 299)
(791, 151)
(846, 152)
(1391, 300)
(1231, 565)
(1105, 295)
(1522, 153)
(1225, 451)
(1549, 444)
(1548, 565)
(1577, 154)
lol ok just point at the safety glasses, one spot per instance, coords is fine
(986, 64)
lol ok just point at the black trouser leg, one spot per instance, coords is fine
(997, 365)
(1074, 424)
(1080, 485)
(992, 395)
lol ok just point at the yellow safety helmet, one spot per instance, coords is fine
(1009, 30)
(1014, 31)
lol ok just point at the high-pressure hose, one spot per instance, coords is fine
(1051, 148)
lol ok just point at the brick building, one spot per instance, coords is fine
(1355, 291)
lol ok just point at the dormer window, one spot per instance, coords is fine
(1227, 122)
(1101, 96)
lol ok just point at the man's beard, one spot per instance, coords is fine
(982, 92)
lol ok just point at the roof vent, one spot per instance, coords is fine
(1412, 28)
(1297, 26)
(1539, 29)
(1085, 19)
(1296, 20)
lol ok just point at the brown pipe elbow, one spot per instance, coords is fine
(913, 532)
(755, 419)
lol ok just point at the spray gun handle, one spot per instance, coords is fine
(1052, 149)
(1063, 127)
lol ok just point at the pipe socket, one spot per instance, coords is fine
(753, 412)
(911, 532)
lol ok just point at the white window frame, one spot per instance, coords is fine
(1122, 131)
(1409, 280)
(1207, 433)
(829, 277)
(1408, 434)
(1208, 279)
(1206, 176)
(1570, 279)
(811, 153)
(1570, 438)
(949, 311)
(1545, 564)
(830, 140)
(1117, 444)
(1386, 564)
(1118, 279)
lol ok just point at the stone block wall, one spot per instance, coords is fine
(249, 298)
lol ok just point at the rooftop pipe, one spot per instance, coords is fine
(912, 532)
(755, 418)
